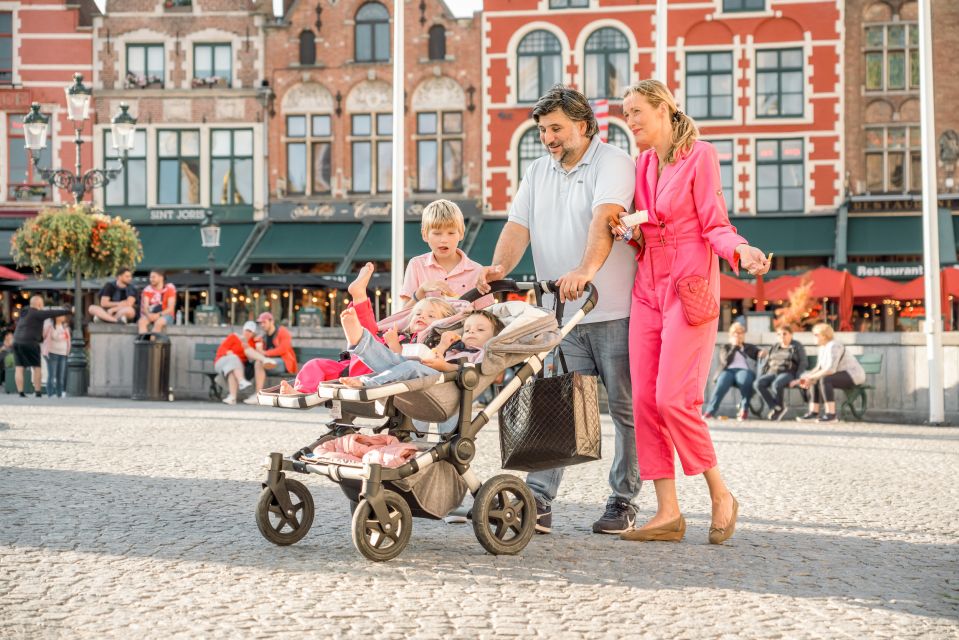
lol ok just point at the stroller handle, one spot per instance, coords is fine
(541, 286)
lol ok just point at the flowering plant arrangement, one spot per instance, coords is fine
(92, 243)
(799, 310)
(138, 81)
(209, 82)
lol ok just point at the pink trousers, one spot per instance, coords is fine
(669, 364)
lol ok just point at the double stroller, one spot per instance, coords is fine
(434, 481)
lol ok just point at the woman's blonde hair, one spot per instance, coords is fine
(684, 128)
(824, 330)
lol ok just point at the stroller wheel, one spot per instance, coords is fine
(278, 527)
(369, 535)
(504, 515)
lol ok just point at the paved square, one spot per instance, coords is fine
(125, 519)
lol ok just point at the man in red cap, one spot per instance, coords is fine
(276, 342)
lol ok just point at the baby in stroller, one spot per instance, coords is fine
(388, 365)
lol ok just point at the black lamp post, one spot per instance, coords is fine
(210, 238)
(35, 138)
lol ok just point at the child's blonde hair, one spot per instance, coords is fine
(444, 307)
(442, 214)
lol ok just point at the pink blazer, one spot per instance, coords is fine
(687, 209)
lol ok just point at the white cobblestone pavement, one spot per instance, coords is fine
(125, 519)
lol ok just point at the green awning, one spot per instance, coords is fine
(178, 247)
(5, 251)
(885, 235)
(485, 244)
(378, 242)
(794, 235)
(306, 242)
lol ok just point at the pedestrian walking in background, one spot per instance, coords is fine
(737, 362)
(675, 309)
(27, 338)
(784, 362)
(836, 368)
(56, 348)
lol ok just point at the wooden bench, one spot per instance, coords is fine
(856, 400)
(205, 353)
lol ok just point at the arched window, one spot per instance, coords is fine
(307, 48)
(618, 138)
(538, 65)
(607, 63)
(437, 47)
(530, 148)
(372, 33)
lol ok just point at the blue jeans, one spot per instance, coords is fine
(56, 374)
(601, 348)
(389, 366)
(779, 382)
(742, 379)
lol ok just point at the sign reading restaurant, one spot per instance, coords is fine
(863, 204)
(904, 271)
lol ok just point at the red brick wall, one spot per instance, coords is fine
(335, 72)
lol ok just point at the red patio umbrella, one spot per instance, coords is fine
(10, 274)
(948, 286)
(826, 283)
(731, 288)
(874, 288)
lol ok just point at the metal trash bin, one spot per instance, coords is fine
(151, 367)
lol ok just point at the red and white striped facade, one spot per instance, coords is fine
(813, 26)
(51, 40)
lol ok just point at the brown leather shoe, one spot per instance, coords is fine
(669, 532)
(719, 535)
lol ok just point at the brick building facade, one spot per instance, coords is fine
(882, 218)
(42, 44)
(329, 66)
(762, 78)
(191, 73)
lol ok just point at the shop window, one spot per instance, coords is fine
(539, 63)
(607, 64)
(439, 151)
(779, 176)
(128, 189)
(178, 152)
(709, 85)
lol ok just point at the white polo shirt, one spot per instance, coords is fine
(557, 207)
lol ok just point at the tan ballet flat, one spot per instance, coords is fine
(719, 535)
(669, 532)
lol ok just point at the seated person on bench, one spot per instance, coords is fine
(234, 360)
(276, 342)
(835, 368)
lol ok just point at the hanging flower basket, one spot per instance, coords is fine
(92, 243)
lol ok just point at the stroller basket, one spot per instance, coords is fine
(384, 498)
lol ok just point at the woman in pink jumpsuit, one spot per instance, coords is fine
(678, 184)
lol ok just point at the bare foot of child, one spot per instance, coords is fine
(351, 326)
(392, 340)
(358, 287)
(286, 389)
(353, 383)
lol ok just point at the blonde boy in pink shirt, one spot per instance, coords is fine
(445, 270)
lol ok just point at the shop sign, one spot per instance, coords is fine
(178, 215)
(15, 100)
(893, 270)
(899, 205)
(357, 210)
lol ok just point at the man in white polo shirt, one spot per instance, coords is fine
(561, 209)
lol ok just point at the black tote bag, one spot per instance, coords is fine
(551, 422)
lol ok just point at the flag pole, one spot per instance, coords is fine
(930, 219)
(397, 207)
(661, 41)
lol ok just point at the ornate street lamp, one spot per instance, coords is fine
(35, 138)
(210, 239)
